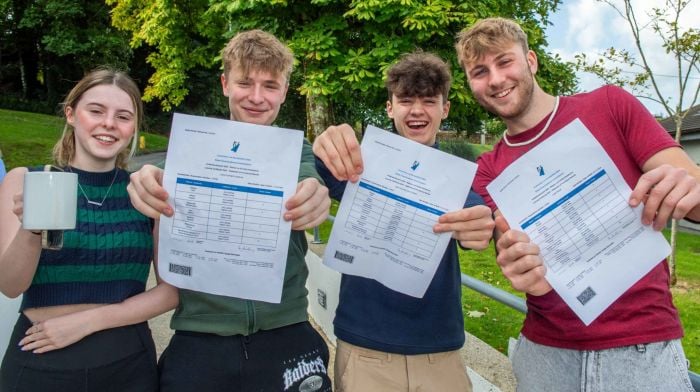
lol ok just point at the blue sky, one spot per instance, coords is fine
(588, 26)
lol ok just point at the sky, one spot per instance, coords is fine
(588, 26)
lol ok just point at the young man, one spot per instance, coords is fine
(389, 341)
(224, 343)
(634, 345)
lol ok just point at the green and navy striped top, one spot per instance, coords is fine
(106, 259)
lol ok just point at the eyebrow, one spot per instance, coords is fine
(104, 107)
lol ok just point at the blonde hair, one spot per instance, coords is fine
(64, 149)
(488, 35)
(257, 50)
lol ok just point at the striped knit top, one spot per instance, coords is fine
(106, 259)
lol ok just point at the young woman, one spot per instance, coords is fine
(82, 319)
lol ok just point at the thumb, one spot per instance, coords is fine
(501, 224)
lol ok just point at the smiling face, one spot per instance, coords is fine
(418, 118)
(254, 98)
(503, 81)
(104, 121)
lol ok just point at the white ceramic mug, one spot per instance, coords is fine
(50, 200)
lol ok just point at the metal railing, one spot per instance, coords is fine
(503, 297)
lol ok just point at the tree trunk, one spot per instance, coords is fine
(318, 116)
(674, 223)
(672, 257)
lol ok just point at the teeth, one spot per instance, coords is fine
(417, 124)
(107, 139)
(502, 93)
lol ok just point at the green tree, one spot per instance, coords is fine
(342, 47)
(53, 42)
(683, 45)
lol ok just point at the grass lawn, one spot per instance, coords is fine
(26, 139)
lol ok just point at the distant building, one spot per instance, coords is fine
(690, 132)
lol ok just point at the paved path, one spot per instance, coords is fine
(139, 160)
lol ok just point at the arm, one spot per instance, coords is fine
(668, 188)
(59, 332)
(19, 249)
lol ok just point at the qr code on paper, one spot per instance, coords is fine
(586, 295)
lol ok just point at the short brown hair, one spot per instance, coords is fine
(419, 74)
(257, 50)
(488, 35)
(64, 150)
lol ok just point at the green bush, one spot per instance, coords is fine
(461, 148)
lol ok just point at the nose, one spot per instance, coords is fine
(109, 121)
(256, 94)
(496, 78)
(416, 107)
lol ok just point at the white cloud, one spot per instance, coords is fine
(590, 27)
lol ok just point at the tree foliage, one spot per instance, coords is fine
(49, 44)
(342, 47)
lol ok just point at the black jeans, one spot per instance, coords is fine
(291, 358)
(119, 359)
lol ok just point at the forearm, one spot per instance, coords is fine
(18, 263)
(134, 310)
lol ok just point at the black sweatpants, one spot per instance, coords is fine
(291, 358)
(119, 359)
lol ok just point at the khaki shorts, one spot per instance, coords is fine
(360, 369)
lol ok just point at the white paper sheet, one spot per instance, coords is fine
(570, 198)
(384, 226)
(228, 182)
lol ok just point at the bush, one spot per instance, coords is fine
(461, 148)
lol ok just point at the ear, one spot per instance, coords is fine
(445, 109)
(70, 115)
(224, 86)
(532, 61)
(389, 110)
(284, 97)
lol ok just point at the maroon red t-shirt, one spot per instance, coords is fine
(630, 135)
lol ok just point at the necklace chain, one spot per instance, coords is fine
(116, 172)
(546, 126)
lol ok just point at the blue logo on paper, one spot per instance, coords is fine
(415, 165)
(235, 146)
(540, 170)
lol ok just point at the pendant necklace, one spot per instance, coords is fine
(546, 126)
(98, 204)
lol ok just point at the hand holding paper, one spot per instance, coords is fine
(339, 150)
(520, 260)
(472, 227)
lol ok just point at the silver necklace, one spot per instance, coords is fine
(546, 126)
(116, 171)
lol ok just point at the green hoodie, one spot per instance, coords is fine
(209, 313)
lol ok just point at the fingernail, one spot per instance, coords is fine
(633, 202)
